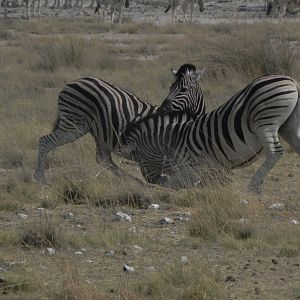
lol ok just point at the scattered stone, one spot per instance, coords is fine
(273, 269)
(274, 261)
(282, 278)
(50, 251)
(123, 216)
(41, 209)
(78, 252)
(110, 253)
(2, 170)
(150, 269)
(166, 221)
(2, 269)
(136, 247)
(184, 259)
(154, 206)
(277, 206)
(68, 215)
(83, 249)
(295, 222)
(296, 265)
(127, 268)
(244, 202)
(89, 261)
(23, 216)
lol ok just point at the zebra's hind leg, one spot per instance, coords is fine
(66, 132)
(273, 151)
(290, 130)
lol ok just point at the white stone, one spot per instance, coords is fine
(83, 249)
(278, 206)
(23, 216)
(89, 261)
(244, 202)
(41, 210)
(243, 221)
(127, 268)
(154, 206)
(68, 215)
(110, 253)
(78, 252)
(295, 222)
(184, 259)
(123, 216)
(166, 221)
(50, 251)
(136, 247)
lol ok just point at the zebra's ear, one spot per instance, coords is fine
(174, 72)
(198, 75)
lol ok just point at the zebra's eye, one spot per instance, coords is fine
(184, 89)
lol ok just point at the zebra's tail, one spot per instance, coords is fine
(270, 7)
(169, 6)
(127, 3)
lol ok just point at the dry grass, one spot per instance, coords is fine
(223, 236)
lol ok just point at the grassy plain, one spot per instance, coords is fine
(236, 246)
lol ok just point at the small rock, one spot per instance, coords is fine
(123, 216)
(277, 206)
(50, 251)
(2, 170)
(83, 249)
(41, 209)
(154, 206)
(295, 222)
(150, 269)
(2, 269)
(165, 221)
(89, 261)
(127, 268)
(23, 216)
(244, 202)
(230, 279)
(68, 215)
(296, 265)
(110, 253)
(274, 261)
(78, 252)
(179, 218)
(184, 259)
(136, 247)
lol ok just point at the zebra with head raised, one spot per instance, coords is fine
(174, 4)
(230, 136)
(91, 105)
(115, 6)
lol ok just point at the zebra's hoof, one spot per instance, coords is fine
(40, 177)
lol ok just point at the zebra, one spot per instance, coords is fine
(173, 4)
(91, 105)
(284, 6)
(115, 5)
(228, 137)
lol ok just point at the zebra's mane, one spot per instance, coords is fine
(186, 69)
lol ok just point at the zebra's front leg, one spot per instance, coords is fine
(274, 151)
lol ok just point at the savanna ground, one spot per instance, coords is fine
(237, 247)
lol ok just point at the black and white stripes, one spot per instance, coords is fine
(91, 105)
(230, 136)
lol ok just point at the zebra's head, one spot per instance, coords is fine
(185, 93)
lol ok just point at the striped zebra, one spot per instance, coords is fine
(174, 4)
(283, 6)
(230, 136)
(91, 105)
(115, 6)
